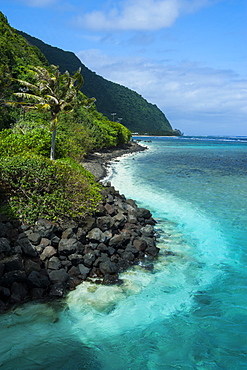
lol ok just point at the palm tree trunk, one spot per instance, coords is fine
(53, 140)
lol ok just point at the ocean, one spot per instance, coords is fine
(190, 310)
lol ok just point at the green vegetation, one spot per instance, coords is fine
(32, 185)
(51, 91)
(137, 114)
(38, 187)
(15, 53)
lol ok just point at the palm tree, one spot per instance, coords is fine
(52, 91)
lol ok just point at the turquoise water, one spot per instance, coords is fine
(190, 312)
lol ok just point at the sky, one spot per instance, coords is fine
(189, 57)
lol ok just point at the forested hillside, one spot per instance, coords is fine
(16, 56)
(43, 114)
(137, 114)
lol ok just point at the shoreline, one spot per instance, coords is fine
(46, 260)
(98, 162)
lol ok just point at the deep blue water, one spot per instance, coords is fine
(191, 311)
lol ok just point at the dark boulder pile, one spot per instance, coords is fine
(47, 259)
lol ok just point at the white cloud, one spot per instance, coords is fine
(188, 93)
(140, 14)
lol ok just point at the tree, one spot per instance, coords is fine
(52, 91)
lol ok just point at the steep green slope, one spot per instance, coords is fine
(85, 126)
(15, 52)
(137, 114)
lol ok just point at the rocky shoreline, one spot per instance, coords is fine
(98, 162)
(46, 260)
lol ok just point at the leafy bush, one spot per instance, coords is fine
(37, 187)
(36, 140)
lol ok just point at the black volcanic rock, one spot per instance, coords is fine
(33, 267)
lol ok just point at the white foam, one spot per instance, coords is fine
(149, 297)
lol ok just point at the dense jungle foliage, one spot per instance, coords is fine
(136, 113)
(31, 185)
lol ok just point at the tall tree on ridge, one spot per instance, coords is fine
(52, 91)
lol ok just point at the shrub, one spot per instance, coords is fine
(37, 141)
(38, 187)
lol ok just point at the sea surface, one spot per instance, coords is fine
(190, 311)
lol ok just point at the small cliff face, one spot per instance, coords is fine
(47, 259)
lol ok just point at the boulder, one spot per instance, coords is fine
(112, 279)
(45, 228)
(148, 231)
(2, 266)
(68, 233)
(68, 224)
(4, 293)
(66, 264)
(13, 263)
(119, 240)
(76, 259)
(96, 235)
(89, 259)
(12, 234)
(150, 242)
(54, 263)
(131, 248)
(38, 280)
(108, 267)
(129, 256)
(143, 213)
(132, 219)
(111, 210)
(152, 251)
(121, 205)
(55, 241)
(102, 247)
(48, 252)
(103, 258)
(4, 245)
(123, 264)
(3, 229)
(19, 290)
(84, 271)
(140, 244)
(88, 224)
(74, 271)
(81, 235)
(110, 199)
(27, 247)
(35, 238)
(60, 276)
(105, 223)
(45, 242)
(120, 219)
(10, 277)
(31, 266)
(132, 203)
(68, 246)
(150, 221)
(57, 290)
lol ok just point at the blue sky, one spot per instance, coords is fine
(186, 56)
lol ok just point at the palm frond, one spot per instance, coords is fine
(29, 96)
(30, 86)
